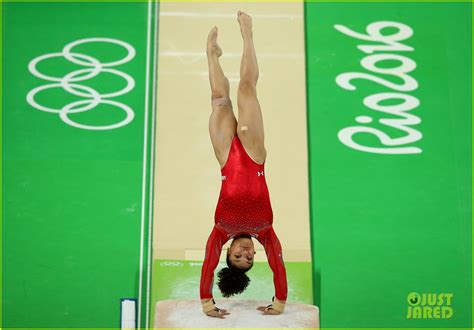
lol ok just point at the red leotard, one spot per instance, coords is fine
(243, 208)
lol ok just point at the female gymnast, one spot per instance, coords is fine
(243, 210)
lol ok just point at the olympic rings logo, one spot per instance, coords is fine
(69, 83)
(171, 263)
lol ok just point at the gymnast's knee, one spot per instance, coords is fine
(247, 88)
(221, 89)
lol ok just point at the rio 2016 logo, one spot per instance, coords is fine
(430, 305)
(399, 115)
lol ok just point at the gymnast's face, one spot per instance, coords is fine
(241, 252)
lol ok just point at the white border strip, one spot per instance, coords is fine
(145, 145)
(230, 54)
(152, 169)
(232, 15)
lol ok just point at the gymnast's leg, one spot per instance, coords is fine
(250, 125)
(222, 122)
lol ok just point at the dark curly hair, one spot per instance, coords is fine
(233, 280)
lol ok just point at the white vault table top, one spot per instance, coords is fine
(187, 313)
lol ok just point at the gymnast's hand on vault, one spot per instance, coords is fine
(217, 312)
(268, 310)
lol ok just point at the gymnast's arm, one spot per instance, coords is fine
(273, 249)
(213, 251)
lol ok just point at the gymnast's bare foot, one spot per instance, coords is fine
(213, 48)
(245, 22)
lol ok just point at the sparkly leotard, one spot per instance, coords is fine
(243, 208)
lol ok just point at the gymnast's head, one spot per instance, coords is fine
(240, 256)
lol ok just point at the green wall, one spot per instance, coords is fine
(386, 225)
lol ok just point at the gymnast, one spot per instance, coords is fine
(243, 211)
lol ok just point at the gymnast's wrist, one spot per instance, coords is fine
(278, 305)
(208, 305)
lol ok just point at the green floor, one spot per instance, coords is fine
(382, 226)
(75, 199)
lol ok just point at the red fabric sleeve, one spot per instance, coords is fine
(273, 249)
(213, 251)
